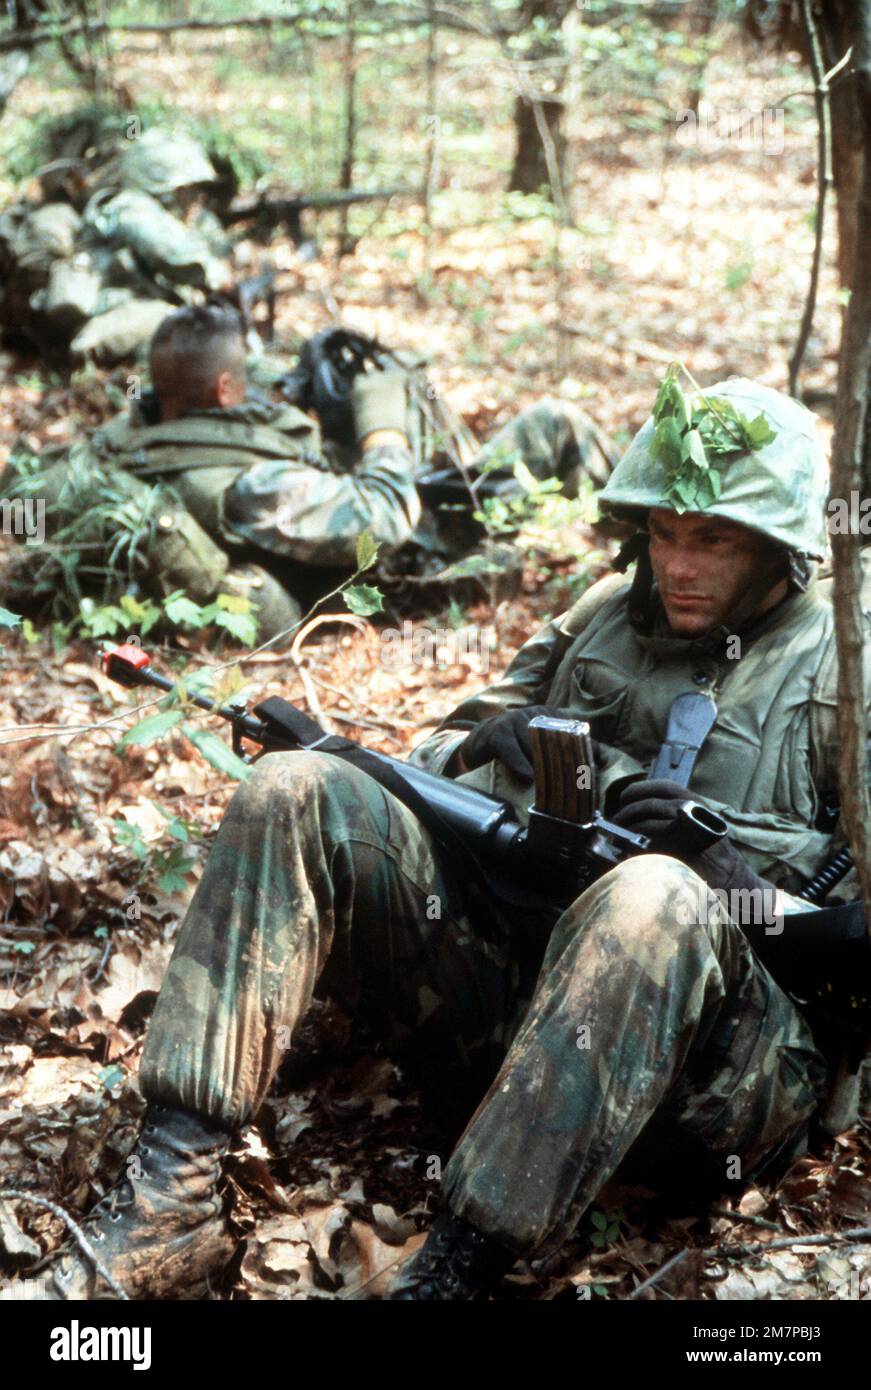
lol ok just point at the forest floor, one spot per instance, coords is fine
(701, 256)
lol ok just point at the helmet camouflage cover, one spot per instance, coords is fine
(161, 161)
(738, 450)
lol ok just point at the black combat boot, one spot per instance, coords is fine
(160, 1230)
(457, 1261)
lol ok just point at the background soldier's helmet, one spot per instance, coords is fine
(160, 162)
(779, 489)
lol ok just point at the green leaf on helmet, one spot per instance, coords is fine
(759, 432)
(670, 402)
(706, 493)
(685, 492)
(690, 442)
(721, 435)
(692, 449)
(667, 443)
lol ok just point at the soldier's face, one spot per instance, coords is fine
(703, 565)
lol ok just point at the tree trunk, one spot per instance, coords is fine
(433, 139)
(529, 173)
(835, 32)
(822, 103)
(851, 473)
(13, 66)
(702, 23)
(538, 110)
(847, 172)
(346, 173)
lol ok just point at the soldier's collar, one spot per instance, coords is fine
(250, 412)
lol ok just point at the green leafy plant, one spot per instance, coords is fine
(606, 1227)
(223, 685)
(174, 714)
(129, 614)
(232, 612)
(168, 867)
(99, 534)
(20, 948)
(527, 207)
(693, 436)
(364, 599)
(456, 615)
(540, 512)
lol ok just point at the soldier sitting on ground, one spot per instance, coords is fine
(320, 877)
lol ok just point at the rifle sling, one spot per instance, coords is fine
(690, 720)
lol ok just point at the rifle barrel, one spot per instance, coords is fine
(471, 814)
(130, 666)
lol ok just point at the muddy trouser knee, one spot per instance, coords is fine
(555, 439)
(649, 1003)
(320, 876)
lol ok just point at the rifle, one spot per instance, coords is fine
(822, 961)
(271, 209)
(566, 832)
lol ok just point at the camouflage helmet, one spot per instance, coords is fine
(779, 489)
(162, 161)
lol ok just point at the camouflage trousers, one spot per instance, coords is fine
(555, 439)
(631, 1033)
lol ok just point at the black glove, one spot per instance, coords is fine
(504, 738)
(651, 808)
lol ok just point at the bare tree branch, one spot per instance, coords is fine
(824, 183)
(450, 18)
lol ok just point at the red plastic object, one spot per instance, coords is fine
(122, 662)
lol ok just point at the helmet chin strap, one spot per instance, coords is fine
(643, 596)
(644, 600)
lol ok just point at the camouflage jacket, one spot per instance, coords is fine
(767, 765)
(258, 475)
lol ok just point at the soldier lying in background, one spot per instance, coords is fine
(256, 476)
(253, 498)
(92, 269)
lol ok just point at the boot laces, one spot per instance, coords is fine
(448, 1260)
(118, 1199)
